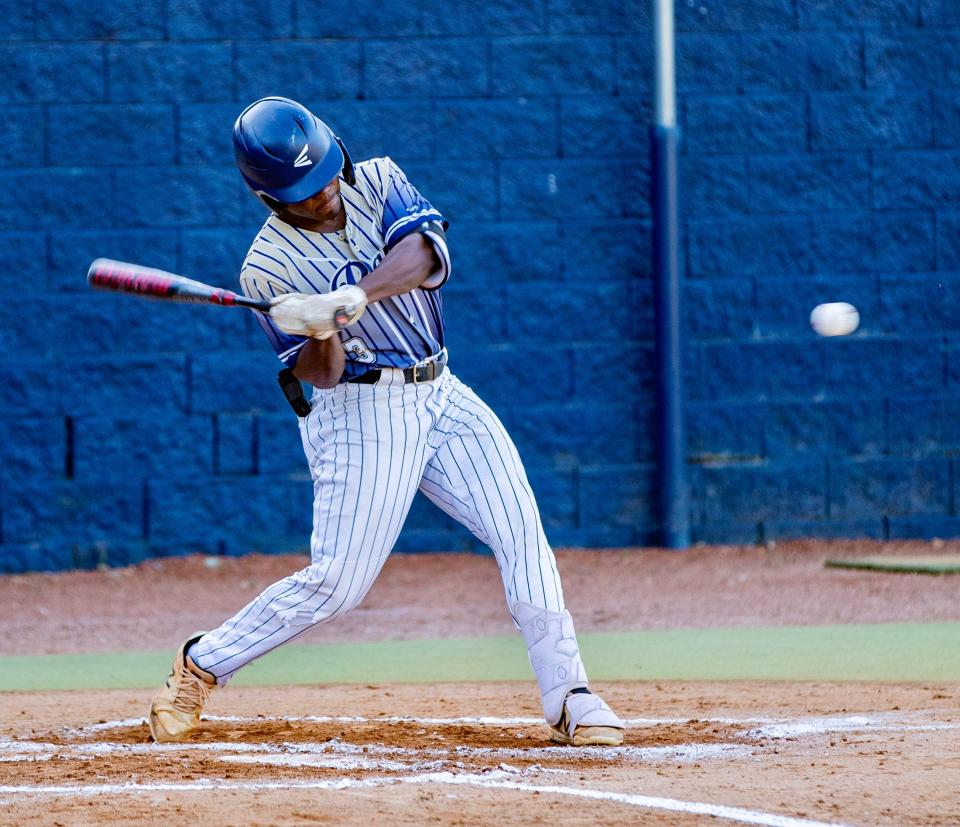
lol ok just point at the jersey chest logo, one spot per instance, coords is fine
(352, 272)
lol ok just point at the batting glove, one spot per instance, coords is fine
(318, 316)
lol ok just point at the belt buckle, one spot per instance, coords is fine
(430, 369)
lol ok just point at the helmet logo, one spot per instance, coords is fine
(302, 159)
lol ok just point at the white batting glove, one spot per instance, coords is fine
(318, 316)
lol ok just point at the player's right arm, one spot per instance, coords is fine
(405, 213)
(405, 267)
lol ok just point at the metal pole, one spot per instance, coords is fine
(674, 504)
(665, 85)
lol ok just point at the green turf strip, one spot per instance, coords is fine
(922, 564)
(876, 652)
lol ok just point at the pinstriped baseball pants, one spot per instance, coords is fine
(370, 448)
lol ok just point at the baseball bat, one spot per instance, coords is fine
(107, 274)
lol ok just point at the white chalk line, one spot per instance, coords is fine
(852, 723)
(16, 757)
(782, 729)
(327, 762)
(311, 754)
(361, 763)
(739, 814)
(865, 721)
(679, 752)
(496, 779)
(769, 727)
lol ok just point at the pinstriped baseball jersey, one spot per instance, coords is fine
(381, 209)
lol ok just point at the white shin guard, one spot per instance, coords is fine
(554, 655)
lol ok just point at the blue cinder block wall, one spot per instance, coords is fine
(821, 161)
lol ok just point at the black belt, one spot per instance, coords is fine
(415, 374)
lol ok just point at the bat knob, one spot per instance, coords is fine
(354, 301)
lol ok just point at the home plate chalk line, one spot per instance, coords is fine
(875, 721)
(336, 754)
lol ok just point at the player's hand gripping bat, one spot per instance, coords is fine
(318, 316)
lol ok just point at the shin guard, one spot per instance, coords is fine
(554, 655)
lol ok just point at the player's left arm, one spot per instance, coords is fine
(320, 362)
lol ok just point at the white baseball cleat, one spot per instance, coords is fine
(587, 721)
(175, 710)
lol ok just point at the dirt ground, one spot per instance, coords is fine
(156, 604)
(817, 752)
(789, 754)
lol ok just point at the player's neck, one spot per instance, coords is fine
(313, 225)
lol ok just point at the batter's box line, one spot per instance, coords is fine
(496, 779)
(865, 721)
(483, 720)
(18, 750)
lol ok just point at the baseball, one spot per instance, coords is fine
(834, 319)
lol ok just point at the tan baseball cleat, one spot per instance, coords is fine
(587, 721)
(175, 710)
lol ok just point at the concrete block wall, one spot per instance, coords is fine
(821, 161)
(821, 166)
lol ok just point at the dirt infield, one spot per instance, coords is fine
(787, 754)
(154, 605)
(753, 754)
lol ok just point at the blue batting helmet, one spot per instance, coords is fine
(285, 153)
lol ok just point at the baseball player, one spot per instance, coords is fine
(352, 259)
